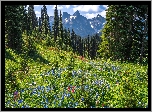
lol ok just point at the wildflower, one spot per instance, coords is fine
(22, 90)
(69, 88)
(68, 95)
(108, 86)
(86, 87)
(82, 99)
(72, 90)
(16, 95)
(20, 101)
(62, 97)
(45, 106)
(97, 102)
(117, 82)
(34, 83)
(102, 105)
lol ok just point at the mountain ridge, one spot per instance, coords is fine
(80, 24)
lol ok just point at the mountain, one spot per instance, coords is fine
(80, 24)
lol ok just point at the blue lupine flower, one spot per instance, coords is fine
(45, 106)
(46, 100)
(8, 102)
(20, 101)
(60, 103)
(101, 82)
(38, 87)
(39, 93)
(59, 75)
(114, 68)
(23, 106)
(97, 95)
(53, 71)
(76, 103)
(22, 90)
(97, 82)
(94, 75)
(82, 99)
(55, 96)
(48, 89)
(62, 97)
(33, 92)
(27, 106)
(103, 93)
(68, 95)
(86, 86)
(48, 73)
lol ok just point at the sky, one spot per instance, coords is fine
(88, 11)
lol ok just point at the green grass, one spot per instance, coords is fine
(59, 79)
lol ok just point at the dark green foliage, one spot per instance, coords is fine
(123, 36)
(55, 26)
(14, 18)
(46, 31)
(32, 22)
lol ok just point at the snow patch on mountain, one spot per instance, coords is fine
(72, 17)
(80, 24)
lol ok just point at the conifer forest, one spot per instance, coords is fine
(49, 66)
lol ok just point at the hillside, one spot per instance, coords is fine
(56, 68)
(54, 78)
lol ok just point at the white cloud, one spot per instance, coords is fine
(67, 6)
(92, 15)
(75, 5)
(36, 5)
(103, 14)
(105, 6)
(58, 7)
(86, 8)
(37, 12)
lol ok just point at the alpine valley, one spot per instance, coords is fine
(80, 24)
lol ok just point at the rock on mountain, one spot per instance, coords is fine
(80, 24)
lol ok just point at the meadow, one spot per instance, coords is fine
(53, 78)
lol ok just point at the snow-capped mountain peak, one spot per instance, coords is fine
(80, 24)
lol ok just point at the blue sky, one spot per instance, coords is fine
(88, 11)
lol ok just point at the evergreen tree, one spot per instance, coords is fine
(14, 18)
(32, 20)
(73, 40)
(122, 35)
(60, 30)
(55, 26)
(65, 39)
(88, 46)
(40, 25)
(45, 22)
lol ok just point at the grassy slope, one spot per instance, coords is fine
(126, 81)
